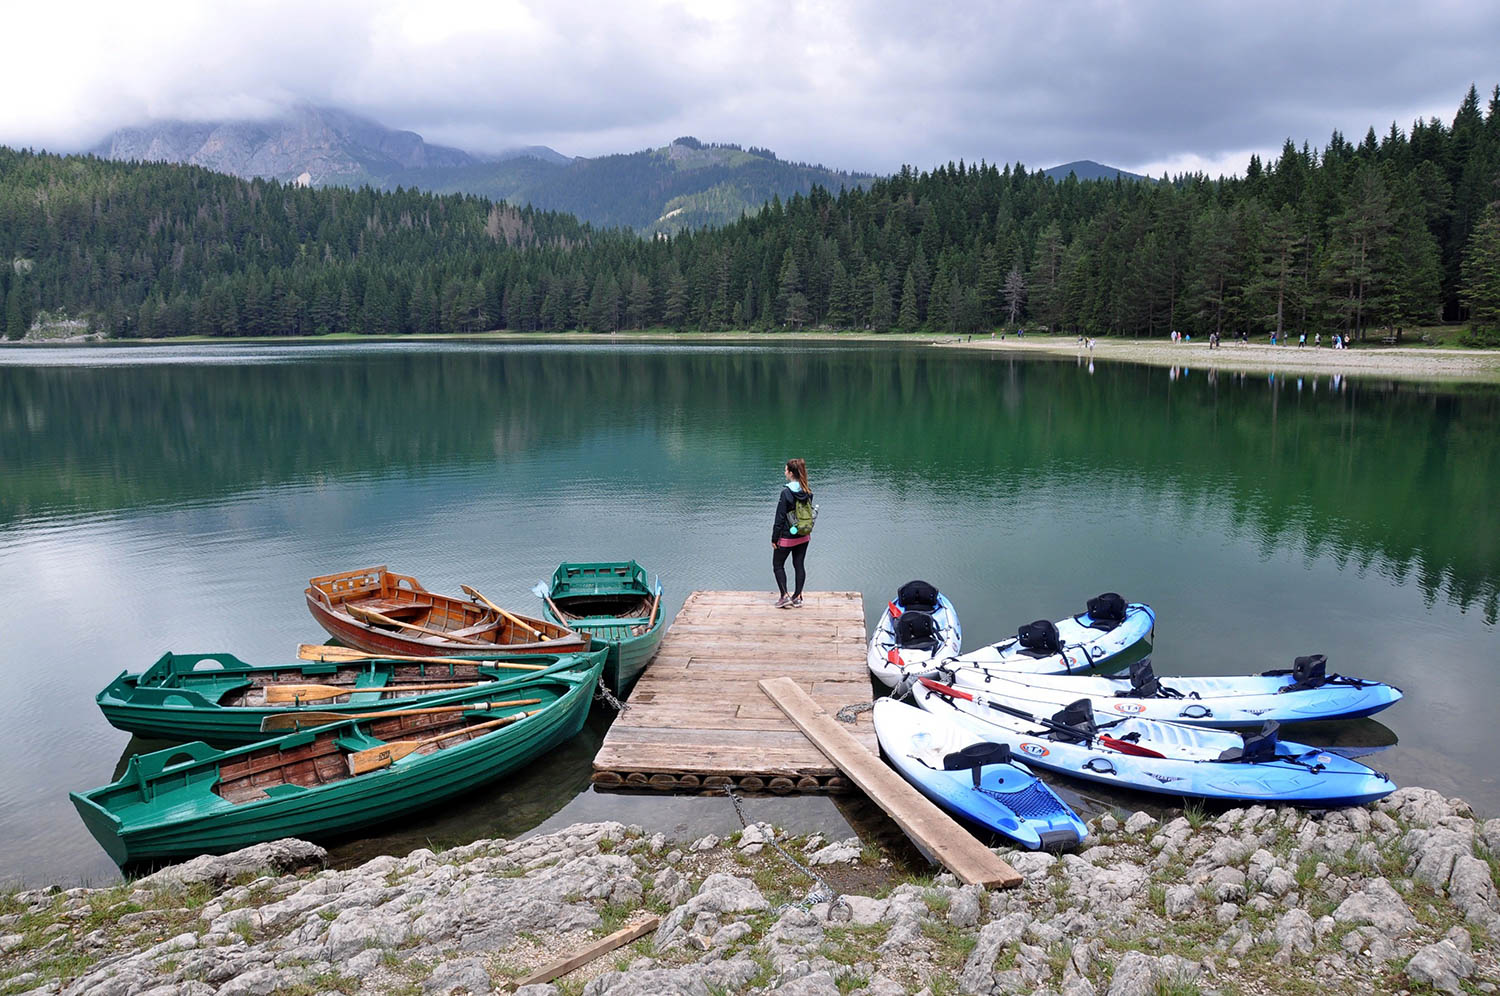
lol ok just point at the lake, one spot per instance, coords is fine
(179, 497)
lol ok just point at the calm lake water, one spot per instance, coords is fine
(179, 498)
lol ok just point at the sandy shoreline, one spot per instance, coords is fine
(1404, 362)
(1407, 362)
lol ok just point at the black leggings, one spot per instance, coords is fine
(799, 559)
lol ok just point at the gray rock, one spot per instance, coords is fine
(964, 909)
(1378, 904)
(978, 975)
(1136, 974)
(705, 843)
(465, 975)
(866, 911)
(1441, 966)
(843, 850)
(1228, 884)
(285, 855)
(536, 989)
(256, 982)
(1180, 900)
(1139, 822)
(651, 982)
(1279, 881)
(815, 984)
(1471, 888)
(1296, 932)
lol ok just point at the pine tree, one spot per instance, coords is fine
(1481, 272)
(907, 320)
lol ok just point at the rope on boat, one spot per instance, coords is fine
(822, 892)
(603, 694)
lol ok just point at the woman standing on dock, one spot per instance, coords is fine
(786, 538)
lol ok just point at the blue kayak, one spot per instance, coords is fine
(972, 776)
(1168, 758)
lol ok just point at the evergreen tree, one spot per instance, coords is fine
(907, 320)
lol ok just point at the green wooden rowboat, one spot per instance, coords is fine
(192, 799)
(221, 700)
(616, 606)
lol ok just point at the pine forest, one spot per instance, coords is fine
(1395, 232)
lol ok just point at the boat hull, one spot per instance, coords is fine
(1301, 775)
(176, 700)
(330, 596)
(1009, 799)
(883, 641)
(163, 807)
(1222, 702)
(595, 585)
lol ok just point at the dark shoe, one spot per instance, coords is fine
(795, 603)
(783, 601)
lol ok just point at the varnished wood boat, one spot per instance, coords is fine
(616, 605)
(328, 781)
(221, 700)
(420, 622)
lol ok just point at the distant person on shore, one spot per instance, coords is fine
(1318, 340)
(1301, 340)
(788, 538)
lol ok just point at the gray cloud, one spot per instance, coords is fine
(858, 85)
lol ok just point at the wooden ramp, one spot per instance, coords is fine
(932, 829)
(697, 719)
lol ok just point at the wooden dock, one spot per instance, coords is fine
(697, 720)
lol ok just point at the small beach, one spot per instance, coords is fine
(1412, 362)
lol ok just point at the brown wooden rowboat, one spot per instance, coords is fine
(456, 625)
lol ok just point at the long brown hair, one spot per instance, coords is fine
(798, 467)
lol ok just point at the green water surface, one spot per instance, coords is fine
(158, 498)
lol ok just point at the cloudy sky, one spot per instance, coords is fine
(1149, 87)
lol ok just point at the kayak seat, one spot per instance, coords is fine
(977, 756)
(1040, 637)
(1258, 746)
(917, 631)
(917, 595)
(1104, 612)
(1143, 682)
(1074, 723)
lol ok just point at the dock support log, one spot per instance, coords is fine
(925, 823)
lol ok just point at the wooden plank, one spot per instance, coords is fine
(924, 822)
(602, 946)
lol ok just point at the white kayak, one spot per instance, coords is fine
(1302, 693)
(1168, 758)
(1105, 637)
(920, 625)
(974, 777)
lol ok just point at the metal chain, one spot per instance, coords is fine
(603, 694)
(828, 895)
(850, 713)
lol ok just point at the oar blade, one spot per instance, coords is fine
(285, 721)
(278, 694)
(373, 758)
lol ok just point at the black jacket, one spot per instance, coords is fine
(783, 508)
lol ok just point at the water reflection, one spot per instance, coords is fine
(182, 504)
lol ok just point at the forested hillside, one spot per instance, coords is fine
(1393, 231)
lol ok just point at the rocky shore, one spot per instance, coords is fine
(1403, 896)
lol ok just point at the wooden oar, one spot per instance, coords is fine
(370, 615)
(383, 756)
(515, 620)
(326, 654)
(291, 693)
(294, 720)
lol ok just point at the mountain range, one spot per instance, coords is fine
(685, 184)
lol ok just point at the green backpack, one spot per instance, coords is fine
(801, 518)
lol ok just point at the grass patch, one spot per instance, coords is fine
(953, 946)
